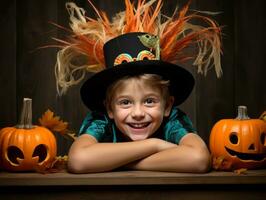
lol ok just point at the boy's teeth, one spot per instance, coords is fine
(139, 125)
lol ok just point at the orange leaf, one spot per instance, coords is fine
(220, 163)
(241, 171)
(58, 165)
(70, 135)
(263, 116)
(53, 123)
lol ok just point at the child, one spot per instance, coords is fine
(141, 130)
(134, 122)
(138, 105)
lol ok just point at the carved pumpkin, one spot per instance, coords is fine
(26, 147)
(239, 143)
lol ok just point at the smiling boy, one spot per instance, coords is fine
(138, 105)
(133, 96)
(144, 136)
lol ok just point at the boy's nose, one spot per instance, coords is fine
(137, 112)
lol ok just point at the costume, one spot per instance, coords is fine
(117, 52)
(139, 40)
(103, 129)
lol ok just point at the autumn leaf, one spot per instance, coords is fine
(221, 163)
(61, 162)
(217, 162)
(69, 135)
(58, 165)
(53, 123)
(263, 116)
(241, 171)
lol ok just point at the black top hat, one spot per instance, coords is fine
(126, 55)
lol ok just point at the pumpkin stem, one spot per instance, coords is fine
(242, 113)
(25, 120)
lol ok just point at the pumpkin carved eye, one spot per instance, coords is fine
(233, 138)
(13, 153)
(41, 152)
(262, 139)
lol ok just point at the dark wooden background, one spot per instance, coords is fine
(27, 72)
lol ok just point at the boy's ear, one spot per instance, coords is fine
(168, 106)
(110, 114)
(109, 110)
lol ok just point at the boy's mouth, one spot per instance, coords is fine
(139, 125)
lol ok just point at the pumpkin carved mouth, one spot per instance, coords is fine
(246, 156)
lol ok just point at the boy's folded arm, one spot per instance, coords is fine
(87, 155)
(191, 155)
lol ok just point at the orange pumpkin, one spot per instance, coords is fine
(26, 147)
(238, 143)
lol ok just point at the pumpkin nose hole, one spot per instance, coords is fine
(40, 151)
(13, 153)
(251, 147)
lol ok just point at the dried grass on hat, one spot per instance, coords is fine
(82, 51)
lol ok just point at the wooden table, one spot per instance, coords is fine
(134, 185)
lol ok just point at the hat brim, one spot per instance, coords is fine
(93, 91)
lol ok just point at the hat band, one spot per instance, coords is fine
(126, 58)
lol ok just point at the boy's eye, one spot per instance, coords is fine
(150, 101)
(124, 102)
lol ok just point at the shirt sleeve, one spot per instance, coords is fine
(95, 124)
(177, 126)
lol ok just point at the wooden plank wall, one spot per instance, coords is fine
(27, 72)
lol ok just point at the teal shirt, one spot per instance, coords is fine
(173, 128)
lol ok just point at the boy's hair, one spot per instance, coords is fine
(153, 80)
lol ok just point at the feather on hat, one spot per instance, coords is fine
(178, 32)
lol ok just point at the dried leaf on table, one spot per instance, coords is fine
(220, 163)
(58, 165)
(241, 171)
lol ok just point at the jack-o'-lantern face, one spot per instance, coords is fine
(240, 142)
(246, 146)
(26, 149)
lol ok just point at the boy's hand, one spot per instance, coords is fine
(163, 145)
(160, 145)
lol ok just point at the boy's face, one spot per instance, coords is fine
(138, 109)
